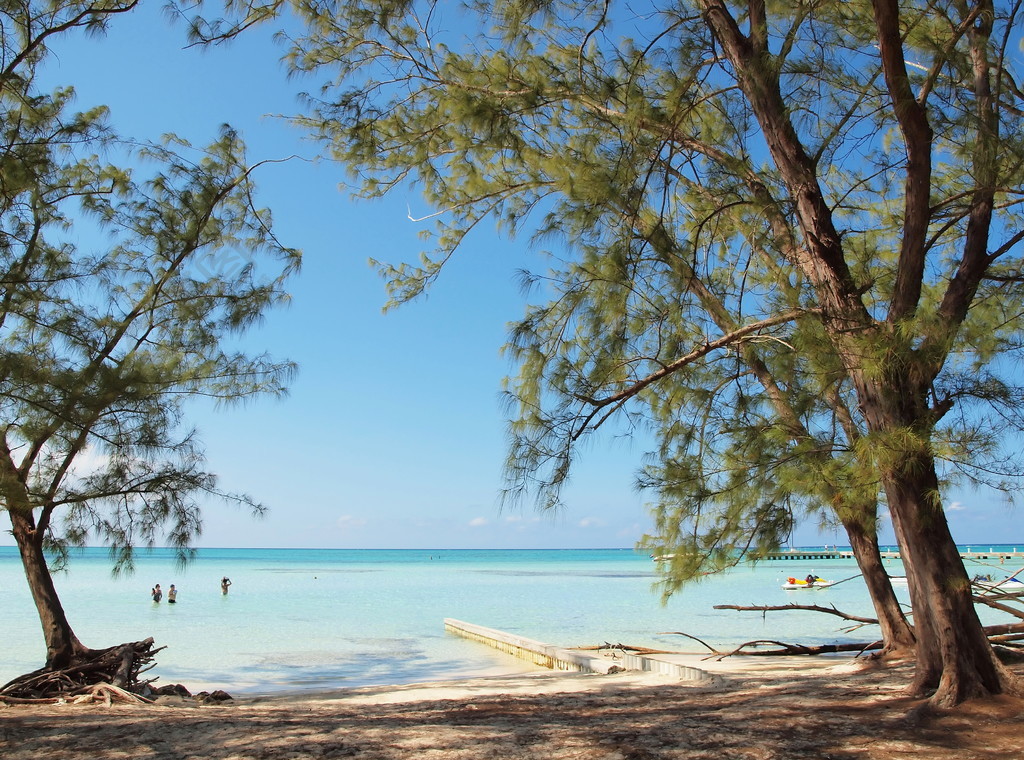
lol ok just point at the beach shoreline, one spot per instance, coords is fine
(753, 708)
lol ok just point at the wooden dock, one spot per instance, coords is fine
(971, 553)
(561, 658)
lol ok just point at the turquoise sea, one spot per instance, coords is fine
(299, 620)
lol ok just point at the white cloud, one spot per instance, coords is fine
(591, 522)
(346, 522)
(956, 506)
(520, 519)
(479, 522)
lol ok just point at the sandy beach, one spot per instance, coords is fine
(751, 709)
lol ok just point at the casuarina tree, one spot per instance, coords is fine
(798, 222)
(128, 271)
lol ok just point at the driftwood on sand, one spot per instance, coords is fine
(608, 647)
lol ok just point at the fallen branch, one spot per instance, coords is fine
(999, 603)
(804, 607)
(993, 595)
(798, 649)
(623, 648)
(1005, 634)
(689, 636)
(1000, 628)
(844, 580)
(1009, 638)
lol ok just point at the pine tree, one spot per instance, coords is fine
(114, 312)
(790, 237)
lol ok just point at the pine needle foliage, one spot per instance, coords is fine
(786, 245)
(680, 299)
(115, 309)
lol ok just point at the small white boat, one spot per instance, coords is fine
(796, 583)
(987, 581)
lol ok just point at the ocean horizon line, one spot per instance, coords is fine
(795, 547)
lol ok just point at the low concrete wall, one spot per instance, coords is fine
(560, 658)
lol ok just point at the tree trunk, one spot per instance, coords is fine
(62, 646)
(954, 656)
(892, 368)
(897, 634)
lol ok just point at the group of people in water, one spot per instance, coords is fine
(172, 593)
(158, 593)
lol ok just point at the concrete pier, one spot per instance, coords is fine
(560, 658)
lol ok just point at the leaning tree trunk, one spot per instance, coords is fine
(62, 646)
(955, 657)
(897, 635)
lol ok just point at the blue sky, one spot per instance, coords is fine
(393, 435)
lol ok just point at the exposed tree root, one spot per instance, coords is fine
(108, 694)
(105, 675)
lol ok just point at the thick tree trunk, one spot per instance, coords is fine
(62, 646)
(954, 656)
(891, 367)
(897, 634)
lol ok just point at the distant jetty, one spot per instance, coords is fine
(827, 554)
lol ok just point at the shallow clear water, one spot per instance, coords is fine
(322, 619)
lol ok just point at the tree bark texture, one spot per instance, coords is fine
(956, 661)
(62, 646)
(897, 633)
(891, 379)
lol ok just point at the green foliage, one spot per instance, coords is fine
(747, 274)
(115, 310)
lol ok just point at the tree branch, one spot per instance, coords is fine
(740, 334)
(804, 607)
(917, 132)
